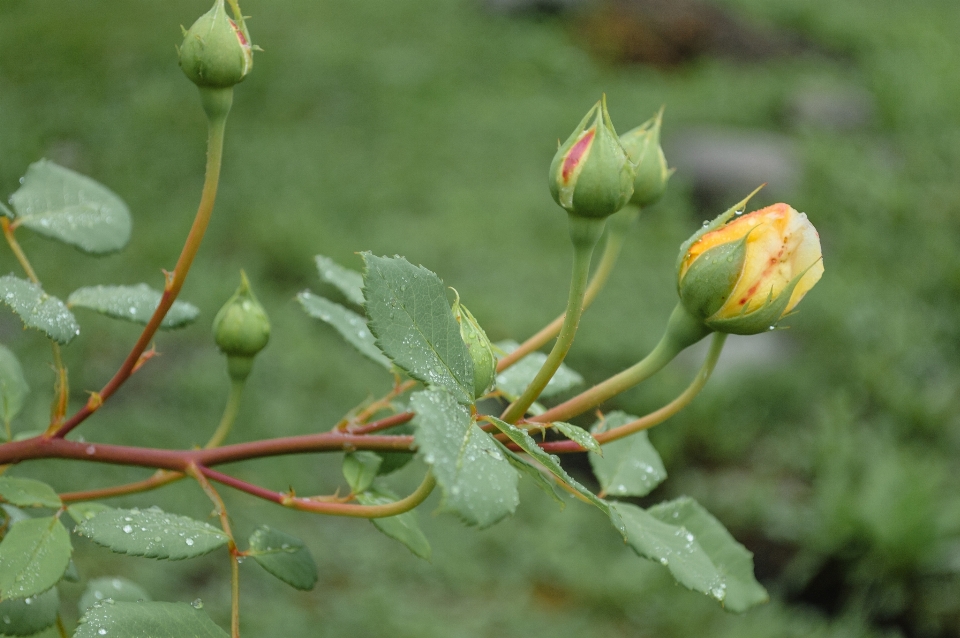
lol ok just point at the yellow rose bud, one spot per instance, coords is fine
(743, 276)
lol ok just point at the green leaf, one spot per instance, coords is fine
(72, 208)
(528, 468)
(360, 468)
(132, 303)
(579, 436)
(404, 528)
(27, 616)
(349, 324)
(152, 533)
(24, 492)
(38, 310)
(80, 512)
(147, 620)
(672, 546)
(13, 386)
(547, 460)
(731, 559)
(13, 514)
(414, 325)
(477, 481)
(393, 461)
(33, 556)
(347, 281)
(284, 556)
(115, 588)
(515, 379)
(630, 466)
(72, 575)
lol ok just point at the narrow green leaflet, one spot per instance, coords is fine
(349, 324)
(404, 528)
(33, 556)
(732, 560)
(549, 461)
(151, 533)
(72, 208)
(24, 492)
(360, 468)
(515, 379)
(147, 620)
(630, 466)
(115, 588)
(528, 468)
(13, 386)
(414, 325)
(674, 547)
(80, 512)
(38, 310)
(347, 281)
(579, 436)
(27, 616)
(477, 481)
(132, 303)
(284, 556)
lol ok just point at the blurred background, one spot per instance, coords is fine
(425, 128)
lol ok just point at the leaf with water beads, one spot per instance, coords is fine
(38, 310)
(24, 492)
(28, 616)
(630, 466)
(147, 620)
(284, 556)
(33, 556)
(132, 303)
(115, 588)
(347, 281)
(152, 533)
(349, 324)
(69, 207)
(579, 436)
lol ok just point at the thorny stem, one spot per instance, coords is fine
(616, 234)
(174, 283)
(355, 422)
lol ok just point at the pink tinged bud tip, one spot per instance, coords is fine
(577, 153)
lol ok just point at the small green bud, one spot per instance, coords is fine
(591, 175)
(216, 51)
(479, 347)
(642, 145)
(241, 329)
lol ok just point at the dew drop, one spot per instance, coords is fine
(91, 450)
(127, 529)
(197, 604)
(189, 541)
(102, 631)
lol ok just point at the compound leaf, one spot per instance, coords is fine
(630, 466)
(69, 207)
(24, 492)
(132, 303)
(404, 528)
(28, 616)
(347, 281)
(349, 324)
(147, 620)
(34, 555)
(152, 533)
(114, 588)
(38, 310)
(284, 556)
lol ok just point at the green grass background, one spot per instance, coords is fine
(425, 128)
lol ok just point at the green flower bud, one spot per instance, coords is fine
(591, 176)
(216, 51)
(479, 347)
(241, 329)
(642, 145)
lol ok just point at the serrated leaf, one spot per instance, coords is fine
(28, 616)
(38, 310)
(732, 560)
(674, 547)
(515, 379)
(33, 556)
(13, 385)
(349, 324)
(539, 478)
(132, 303)
(24, 492)
(80, 512)
(579, 436)
(409, 314)
(477, 481)
(347, 281)
(360, 468)
(115, 588)
(284, 556)
(404, 528)
(549, 461)
(72, 208)
(630, 466)
(152, 533)
(147, 620)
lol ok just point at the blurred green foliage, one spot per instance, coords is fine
(425, 128)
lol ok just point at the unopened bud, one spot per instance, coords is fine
(216, 51)
(642, 145)
(241, 329)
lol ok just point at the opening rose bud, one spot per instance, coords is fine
(742, 277)
(591, 175)
(216, 51)
(642, 145)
